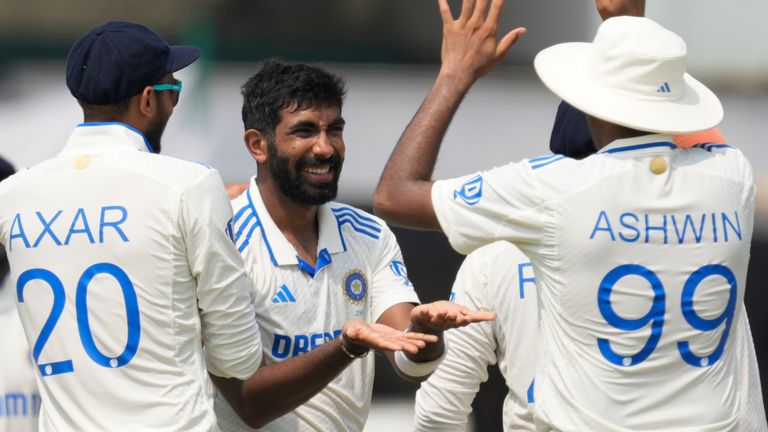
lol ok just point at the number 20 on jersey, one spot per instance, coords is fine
(81, 309)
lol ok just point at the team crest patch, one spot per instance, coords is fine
(355, 286)
(471, 191)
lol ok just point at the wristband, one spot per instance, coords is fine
(348, 353)
(419, 369)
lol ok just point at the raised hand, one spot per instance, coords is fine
(444, 315)
(470, 44)
(360, 336)
(612, 8)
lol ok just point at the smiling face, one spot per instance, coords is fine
(306, 154)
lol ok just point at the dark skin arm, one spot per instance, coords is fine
(470, 49)
(431, 318)
(275, 389)
(613, 8)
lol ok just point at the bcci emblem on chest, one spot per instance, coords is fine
(355, 286)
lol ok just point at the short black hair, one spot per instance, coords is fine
(278, 85)
(109, 112)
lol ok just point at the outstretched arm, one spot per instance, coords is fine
(275, 389)
(470, 49)
(430, 318)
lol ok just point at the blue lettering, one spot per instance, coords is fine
(300, 345)
(727, 222)
(113, 224)
(284, 346)
(688, 228)
(47, 229)
(19, 232)
(529, 393)
(15, 404)
(607, 227)
(314, 339)
(80, 215)
(522, 280)
(689, 221)
(35, 404)
(626, 225)
(12, 403)
(649, 228)
(281, 347)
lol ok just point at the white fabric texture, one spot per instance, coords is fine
(640, 271)
(419, 369)
(129, 252)
(496, 278)
(19, 398)
(359, 275)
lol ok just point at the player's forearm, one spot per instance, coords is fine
(276, 389)
(431, 351)
(403, 193)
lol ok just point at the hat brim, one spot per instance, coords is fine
(563, 68)
(181, 57)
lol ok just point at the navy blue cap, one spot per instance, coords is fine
(6, 169)
(570, 133)
(117, 60)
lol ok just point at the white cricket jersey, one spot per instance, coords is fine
(496, 278)
(121, 261)
(19, 398)
(359, 274)
(640, 253)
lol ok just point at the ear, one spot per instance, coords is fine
(256, 143)
(147, 105)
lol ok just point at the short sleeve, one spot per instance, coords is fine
(231, 335)
(504, 203)
(390, 284)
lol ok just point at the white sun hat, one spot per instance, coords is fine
(632, 74)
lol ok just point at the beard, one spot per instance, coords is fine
(291, 183)
(156, 128)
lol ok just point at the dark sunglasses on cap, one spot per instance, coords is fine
(174, 88)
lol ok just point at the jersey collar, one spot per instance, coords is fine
(281, 250)
(100, 137)
(646, 144)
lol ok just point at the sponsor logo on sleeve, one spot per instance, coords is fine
(471, 191)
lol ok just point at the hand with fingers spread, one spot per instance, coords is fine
(470, 43)
(444, 315)
(470, 49)
(358, 337)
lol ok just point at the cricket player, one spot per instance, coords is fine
(640, 251)
(19, 398)
(315, 263)
(122, 263)
(496, 278)
(499, 278)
